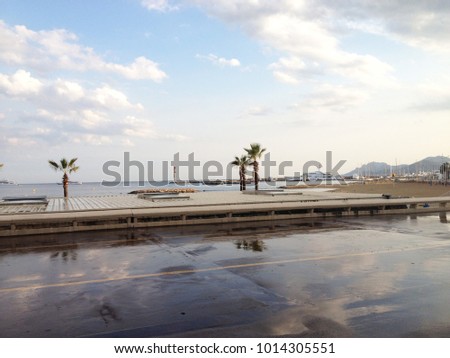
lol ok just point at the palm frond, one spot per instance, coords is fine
(53, 165)
(255, 151)
(244, 160)
(235, 161)
(73, 169)
(63, 163)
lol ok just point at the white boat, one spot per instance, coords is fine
(318, 176)
(72, 183)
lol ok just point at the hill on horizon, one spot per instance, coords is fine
(383, 169)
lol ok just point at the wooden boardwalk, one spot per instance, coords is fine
(108, 202)
(22, 208)
(78, 204)
(128, 211)
(96, 203)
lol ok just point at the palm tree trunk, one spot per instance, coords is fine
(255, 170)
(240, 179)
(66, 186)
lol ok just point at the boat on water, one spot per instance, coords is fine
(72, 183)
(293, 179)
(6, 182)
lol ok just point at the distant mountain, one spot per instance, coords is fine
(381, 169)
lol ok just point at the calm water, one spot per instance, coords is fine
(96, 188)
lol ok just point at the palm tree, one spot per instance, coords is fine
(242, 163)
(67, 167)
(254, 152)
(445, 171)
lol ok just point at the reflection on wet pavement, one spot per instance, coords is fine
(254, 245)
(368, 277)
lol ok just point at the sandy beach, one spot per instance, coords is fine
(397, 189)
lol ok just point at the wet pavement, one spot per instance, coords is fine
(367, 277)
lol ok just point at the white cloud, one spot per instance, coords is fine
(90, 119)
(287, 69)
(145, 129)
(135, 127)
(300, 30)
(258, 111)
(221, 61)
(59, 49)
(62, 94)
(19, 84)
(333, 98)
(158, 5)
(418, 23)
(127, 143)
(74, 121)
(43, 131)
(20, 142)
(72, 91)
(141, 69)
(365, 69)
(111, 98)
(286, 77)
(62, 110)
(292, 64)
(91, 139)
(422, 24)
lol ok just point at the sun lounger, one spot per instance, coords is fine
(163, 196)
(15, 200)
(170, 197)
(27, 198)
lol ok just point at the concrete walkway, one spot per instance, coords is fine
(131, 211)
(196, 199)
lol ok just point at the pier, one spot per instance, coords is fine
(58, 215)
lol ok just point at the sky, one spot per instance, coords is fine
(366, 80)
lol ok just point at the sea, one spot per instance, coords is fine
(97, 188)
(53, 190)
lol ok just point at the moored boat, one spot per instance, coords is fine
(6, 182)
(73, 183)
